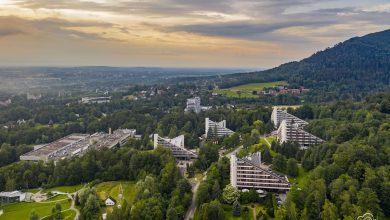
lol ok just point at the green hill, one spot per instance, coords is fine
(349, 70)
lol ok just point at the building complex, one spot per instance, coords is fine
(11, 197)
(291, 129)
(78, 144)
(95, 100)
(193, 105)
(294, 133)
(216, 129)
(249, 173)
(279, 115)
(176, 146)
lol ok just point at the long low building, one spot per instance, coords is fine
(78, 144)
(294, 133)
(11, 197)
(176, 146)
(216, 129)
(249, 173)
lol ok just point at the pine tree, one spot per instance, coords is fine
(236, 208)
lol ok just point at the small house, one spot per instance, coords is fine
(110, 201)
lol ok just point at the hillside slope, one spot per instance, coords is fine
(350, 69)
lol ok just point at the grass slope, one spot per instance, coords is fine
(23, 210)
(246, 91)
(112, 189)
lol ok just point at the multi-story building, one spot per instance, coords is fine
(295, 133)
(193, 105)
(249, 173)
(278, 115)
(176, 146)
(216, 129)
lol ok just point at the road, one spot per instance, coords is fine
(191, 210)
(233, 152)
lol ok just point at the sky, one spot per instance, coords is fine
(180, 33)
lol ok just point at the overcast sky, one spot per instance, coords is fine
(180, 33)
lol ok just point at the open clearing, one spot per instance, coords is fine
(246, 91)
(23, 210)
(112, 189)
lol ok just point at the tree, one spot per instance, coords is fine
(34, 216)
(216, 190)
(236, 209)
(259, 125)
(212, 210)
(292, 167)
(279, 163)
(56, 212)
(329, 212)
(230, 194)
(266, 155)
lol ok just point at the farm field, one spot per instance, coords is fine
(23, 210)
(246, 91)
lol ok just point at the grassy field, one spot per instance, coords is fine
(23, 210)
(246, 91)
(68, 189)
(113, 189)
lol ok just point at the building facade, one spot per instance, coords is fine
(193, 105)
(11, 197)
(279, 115)
(216, 129)
(288, 132)
(176, 146)
(249, 173)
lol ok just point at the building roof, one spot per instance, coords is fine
(110, 198)
(11, 194)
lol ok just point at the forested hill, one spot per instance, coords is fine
(348, 70)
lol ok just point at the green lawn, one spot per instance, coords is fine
(69, 189)
(112, 189)
(23, 210)
(246, 91)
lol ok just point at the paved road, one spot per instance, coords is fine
(233, 152)
(191, 210)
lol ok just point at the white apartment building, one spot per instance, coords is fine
(295, 133)
(249, 173)
(193, 105)
(216, 129)
(176, 146)
(279, 115)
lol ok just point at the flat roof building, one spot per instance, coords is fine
(279, 115)
(288, 132)
(176, 146)
(249, 173)
(216, 129)
(78, 144)
(95, 100)
(11, 197)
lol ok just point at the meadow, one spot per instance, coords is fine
(246, 91)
